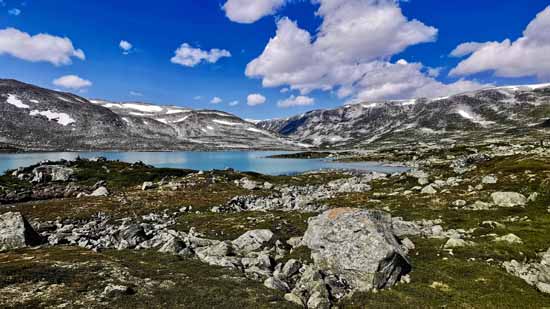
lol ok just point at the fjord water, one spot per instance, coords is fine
(255, 161)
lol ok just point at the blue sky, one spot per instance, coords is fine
(156, 30)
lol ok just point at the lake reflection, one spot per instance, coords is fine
(255, 161)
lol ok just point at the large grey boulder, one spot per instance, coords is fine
(357, 245)
(16, 232)
(508, 199)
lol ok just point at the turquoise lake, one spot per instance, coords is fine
(254, 161)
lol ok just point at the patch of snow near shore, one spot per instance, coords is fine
(61, 118)
(13, 100)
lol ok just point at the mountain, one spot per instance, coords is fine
(498, 112)
(34, 118)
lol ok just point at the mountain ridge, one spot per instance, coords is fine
(40, 119)
(492, 111)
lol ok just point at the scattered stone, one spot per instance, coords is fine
(509, 238)
(453, 243)
(429, 189)
(508, 199)
(276, 284)
(101, 191)
(459, 203)
(147, 186)
(488, 180)
(253, 240)
(113, 290)
(492, 225)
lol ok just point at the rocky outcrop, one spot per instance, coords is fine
(299, 198)
(358, 246)
(16, 232)
(535, 274)
(46, 173)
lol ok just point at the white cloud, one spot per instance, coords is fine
(234, 103)
(136, 94)
(249, 11)
(125, 46)
(296, 101)
(284, 90)
(349, 54)
(40, 47)
(14, 12)
(198, 97)
(72, 82)
(434, 72)
(216, 100)
(255, 99)
(190, 57)
(527, 56)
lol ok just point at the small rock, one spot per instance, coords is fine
(509, 238)
(253, 240)
(147, 186)
(101, 191)
(488, 180)
(113, 290)
(429, 189)
(453, 243)
(276, 284)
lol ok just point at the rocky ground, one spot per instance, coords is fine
(468, 226)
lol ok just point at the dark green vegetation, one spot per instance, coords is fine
(77, 277)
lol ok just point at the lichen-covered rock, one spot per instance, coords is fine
(358, 246)
(16, 232)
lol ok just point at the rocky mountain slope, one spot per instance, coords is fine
(34, 118)
(495, 112)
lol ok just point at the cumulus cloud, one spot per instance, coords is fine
(189, 56)
(125, 46)
(216, 100)
(527, 56)
(255, 99)
(72, 82)
(14, 12)
(39, 47)
(249, 11)
(296, 101)
(136, 94)
(234, 103)
(349, 53)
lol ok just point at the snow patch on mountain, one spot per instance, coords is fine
(61, 118)
(13, 100)
(227, 123)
